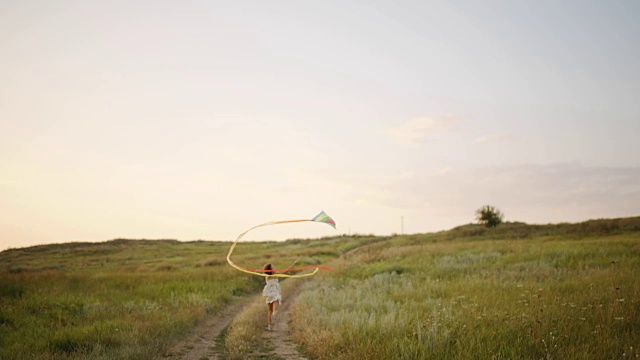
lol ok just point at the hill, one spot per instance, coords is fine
(515, 291)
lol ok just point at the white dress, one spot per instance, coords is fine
(272, 291)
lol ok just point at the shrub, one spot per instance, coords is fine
(489, 216)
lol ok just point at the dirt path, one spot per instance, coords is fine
(202, 343)
(205, 343)
(280, 337)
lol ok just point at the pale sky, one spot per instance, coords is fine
(198, 120)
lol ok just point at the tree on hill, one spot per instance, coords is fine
(489, 216)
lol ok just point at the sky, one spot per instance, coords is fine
(200, 119)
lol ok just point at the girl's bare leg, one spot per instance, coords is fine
(271, 314)
(275, 310)
(270, 307)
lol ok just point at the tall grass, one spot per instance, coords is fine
(566, 291)
(122, 299)
(550, 295)
(129, 299)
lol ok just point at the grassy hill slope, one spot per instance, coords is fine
(517, 291)
(566, 291)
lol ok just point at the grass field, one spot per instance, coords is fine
(515, 292)
(566, 291)
(124, 299)
(120, 299)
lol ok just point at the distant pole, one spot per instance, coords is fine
(402, 225)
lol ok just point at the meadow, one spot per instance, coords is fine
(119, 299)
(124, 299)
(565, 291)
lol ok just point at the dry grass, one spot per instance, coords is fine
(539, 298)
(244, 335)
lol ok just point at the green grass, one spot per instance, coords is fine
(564, 291)
(121, 299)
(129, 299)
(515, 292)
(125, 299)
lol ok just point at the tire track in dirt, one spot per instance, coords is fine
(202, 343)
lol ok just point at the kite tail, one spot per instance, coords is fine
(322, 217)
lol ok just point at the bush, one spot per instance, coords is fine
(489, 216)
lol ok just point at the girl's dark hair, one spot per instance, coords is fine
(268, 269)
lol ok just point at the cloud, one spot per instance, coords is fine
(493, 138)
(416, 131)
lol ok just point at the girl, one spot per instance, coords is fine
(273, 293)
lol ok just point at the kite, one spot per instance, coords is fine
(322, 218)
